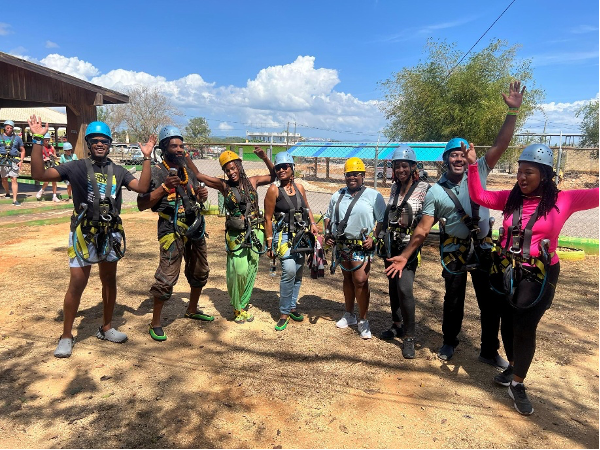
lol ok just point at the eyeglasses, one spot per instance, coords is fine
(279, 167)
(352, 174)
(99, 141)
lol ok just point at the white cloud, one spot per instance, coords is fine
(5, 28)
(556, 117)
(224, 126)
(71, 66)
(582, 29)
(563, 58)
(50, 44)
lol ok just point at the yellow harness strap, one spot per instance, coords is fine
(167, 240)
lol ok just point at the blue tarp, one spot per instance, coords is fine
(425, 151)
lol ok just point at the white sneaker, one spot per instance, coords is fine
(55, 199)
(364, 329)
(64, 348)
(346, 320)
(39, 194)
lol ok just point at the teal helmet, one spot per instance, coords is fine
(453, 144)
(9, 122)
(168, 132)
(67, 146)
(538, 153)
(404, 152)
(283, 158)
(98, 127)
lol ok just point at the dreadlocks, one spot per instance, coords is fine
(245, 187)
(549, 194)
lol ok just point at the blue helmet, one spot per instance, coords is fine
(452, 144)
(169, 132)
(283, 158)
(9, 122)
(538, 153)
(404, 152)
(47, 136)
(98, 127)
(67, 146)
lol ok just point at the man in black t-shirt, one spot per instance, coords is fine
(175, 195)
(96, 183)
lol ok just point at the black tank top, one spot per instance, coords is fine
(282, 206)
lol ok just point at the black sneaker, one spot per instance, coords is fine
(497, 361)
(408, 349)
(446, 352)
(505, 377)
(521, 402)
(393, 332)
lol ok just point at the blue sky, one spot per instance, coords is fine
(257, 65)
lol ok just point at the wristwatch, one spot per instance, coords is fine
(147, 158)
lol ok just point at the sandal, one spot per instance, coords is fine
(282, 324)
(157, 333)
(199, 315)
(239, 317)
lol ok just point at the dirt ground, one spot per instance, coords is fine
(221, 384)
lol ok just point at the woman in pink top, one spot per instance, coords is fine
(541, 210)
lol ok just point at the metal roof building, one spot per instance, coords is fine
(425, 151)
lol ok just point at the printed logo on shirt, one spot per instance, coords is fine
(101, 181)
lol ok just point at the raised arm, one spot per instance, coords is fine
(211, 182)
(513, 100)
(419, 235)
(38, 171)
(261, 180)
(143, 184)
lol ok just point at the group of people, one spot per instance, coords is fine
(12, 155)
(514, 276)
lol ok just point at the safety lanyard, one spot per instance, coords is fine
(515, 231)
(341, 226)
(402, 205)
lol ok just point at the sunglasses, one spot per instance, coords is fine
(99, 141)
(352, 174)
(279, 167)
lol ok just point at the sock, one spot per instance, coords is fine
(514, 383)
(41, 192)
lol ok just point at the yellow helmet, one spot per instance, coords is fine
(227, 156)
(354, 164)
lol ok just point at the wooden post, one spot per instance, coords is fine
(316, 167)
(327, 168)
(77, 121)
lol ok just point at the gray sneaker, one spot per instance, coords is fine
(364, 329)
(64, 348)
(521, 402)
(505, 378)
(346, 320)
(111, 335)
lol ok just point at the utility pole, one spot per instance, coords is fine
(287, 136)
(295, 132)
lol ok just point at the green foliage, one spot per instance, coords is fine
(426, 103)
(197, 130)
(589, 124)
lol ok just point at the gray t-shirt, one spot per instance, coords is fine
(6, 147)
(366, 213)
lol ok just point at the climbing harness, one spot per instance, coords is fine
(295, 222)
(98, 225)
(6, 159)
(246, 225)
(509, 269)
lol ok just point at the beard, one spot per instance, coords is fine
(173, 158)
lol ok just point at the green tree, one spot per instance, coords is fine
(589, 124)
(197, 132)
(436, 101)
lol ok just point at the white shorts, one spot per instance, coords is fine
(9, 171)
(93, 258)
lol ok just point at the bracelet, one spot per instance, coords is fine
(313, 223)
(512, 111)
(39, 136)
(164, 186)
(36, 141)
(147, 158)
(269, 239)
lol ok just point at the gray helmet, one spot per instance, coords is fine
(169, 132)
(538, 153)
(283, 158)
(9, 122)
(404, 152)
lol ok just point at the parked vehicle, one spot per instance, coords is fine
(388, 172)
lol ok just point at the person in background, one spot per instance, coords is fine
(287, 204)
(12, 152)
(350, 221)
(49, 155)
(66, 157)
(465, 240)
(534, 212)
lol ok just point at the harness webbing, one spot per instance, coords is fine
(299, 204)
(472, 221)
(107, 192)
(341, 226)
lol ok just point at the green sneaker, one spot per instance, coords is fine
(199, 315)
(157, 333)
(282, 324)
(295, 315)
